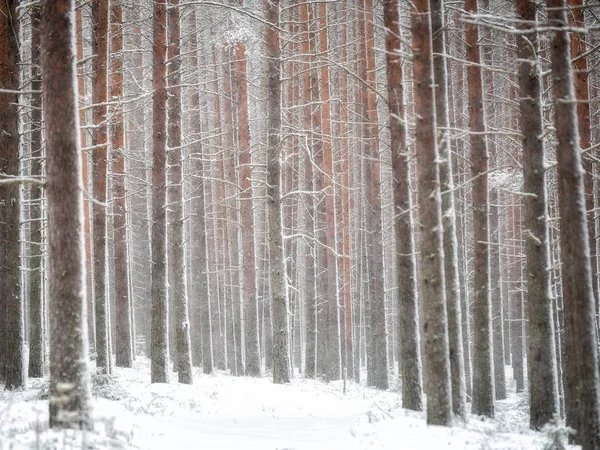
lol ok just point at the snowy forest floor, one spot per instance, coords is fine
(220, 411)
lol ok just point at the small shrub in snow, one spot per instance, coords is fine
(105, 386)
(556, 434)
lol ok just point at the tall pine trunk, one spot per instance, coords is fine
(453, 292)
(12, 361)
(483, 364)
(281, 361)
(409, 352)
(582, 393)
(70, 395)
(433, 287)
(159, 351)
(541, 362)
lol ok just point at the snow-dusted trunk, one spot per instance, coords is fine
(179, 298)
(377, 354)
(331, 333)
(409, 352)
(12, 361)
(433, 287)
(453, 293)
(86, 158)
(159, 352)
(36, 291)
(541, 361)
(490, 102)
(249, 301)
(123, 338)
(99, 174)
(281, 361)
(70, 396)
(581, 74)
(582, 393)
(483, 364)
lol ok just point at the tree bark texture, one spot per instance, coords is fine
(483, 364)
(377, 357)
(70, 396)
(409, 352)
(250, 299)
(281, 361)
(159, 352)
(582, 393)
(541, 357)
(433, 287)
(176, 260)
(100, 21)
(12, 331)
(123, 336)
(36, 288)
(453, 292)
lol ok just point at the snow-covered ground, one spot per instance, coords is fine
(225, 412)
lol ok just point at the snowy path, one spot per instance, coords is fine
(224, 412)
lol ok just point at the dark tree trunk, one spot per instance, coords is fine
(36, 293)
(581, 76)
(433, 287)
(281, 361)
(11, 303)
(179, 299)
(409, 352)
(582, 393)
(159, 352)
(70, 396)
(483, 364)
(541, 362)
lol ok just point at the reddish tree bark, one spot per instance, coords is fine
(99, 173)
(483, 364)
(123, 337)
(409, 352)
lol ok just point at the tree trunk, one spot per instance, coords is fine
(70, 396)
(11, 303)
(250, 299)
(281, 361)
(409, 352)
(99, 173)
(453, 293)
(581, 75)
(541, 361)
(176, 260)
(36, 288)
(582, 385)
(124, 353)
(483, 364)
(433, 293)
(159, 353)
(377, 363)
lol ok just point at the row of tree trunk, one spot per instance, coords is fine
(263, 217)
